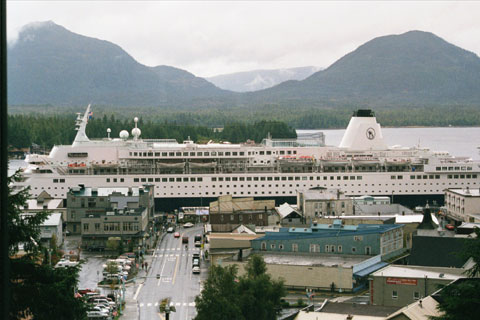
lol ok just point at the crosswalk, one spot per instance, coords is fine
(160, 255)
(176, 304)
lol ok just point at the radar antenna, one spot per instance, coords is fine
(80, 126)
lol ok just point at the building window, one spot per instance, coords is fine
(272, 246)
(264, 246)
(85, 227)
(294, 247)
(327, 248)
(354, 249)
(280, 246)
(97, 226)
(368, 251)
(339, 248)
(314, 247)
(394, 294)
(232, 217)
(416, 295)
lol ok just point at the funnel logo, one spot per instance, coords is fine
(370, 133)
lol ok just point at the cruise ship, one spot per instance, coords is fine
(191, 174)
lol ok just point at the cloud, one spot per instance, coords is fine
(209, 38)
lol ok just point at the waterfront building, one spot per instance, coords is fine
(463, 204)
(396, 285)
(319, 201)
(227, 213)
(335, 239)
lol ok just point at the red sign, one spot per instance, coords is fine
(408, 282)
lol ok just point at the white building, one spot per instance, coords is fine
(319, 202)
(463, 204)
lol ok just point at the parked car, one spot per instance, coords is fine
(170, 230)
(177, 235)
(188, 225)
(65, 263)
(196, 270)
(97, 315)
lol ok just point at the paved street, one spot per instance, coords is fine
(173, 263)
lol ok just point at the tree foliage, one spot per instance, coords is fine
(255, 295)
(38, 291)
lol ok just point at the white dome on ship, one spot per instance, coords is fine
(124, 134)
(136, 132)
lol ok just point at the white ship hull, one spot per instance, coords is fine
(276, 169)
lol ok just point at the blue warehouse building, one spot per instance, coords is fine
(385, 240)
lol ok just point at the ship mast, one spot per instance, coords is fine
(80, 126)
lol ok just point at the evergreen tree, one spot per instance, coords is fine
(38, 290)
(253, 296)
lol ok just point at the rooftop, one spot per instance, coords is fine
(50, 204)
(422, 309)
(381, 209)
(53, 219)
(329, 230)
(323, 194)
(298, 259)
(358, 309)
(418, 272)
(466, 192)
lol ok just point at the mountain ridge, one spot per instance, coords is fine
(49, 64)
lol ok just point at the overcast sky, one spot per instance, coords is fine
(211, 38)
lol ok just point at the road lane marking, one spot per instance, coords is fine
(176, 269)
(141, 304)
(191, 304)
(156, 304)
(149, 304)
(138, 291)
(161, 272)
(178, 304)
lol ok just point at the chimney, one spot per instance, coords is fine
(467, 191)
(349, 317)
(420, 303)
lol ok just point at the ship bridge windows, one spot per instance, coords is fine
(227, 154)
(178, 154)
(157, 154)
(171, 179)
(77, 154)
(220, 153)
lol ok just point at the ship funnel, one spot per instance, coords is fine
(363, 132)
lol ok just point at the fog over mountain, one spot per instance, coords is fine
(51, 65)
(260, 79)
